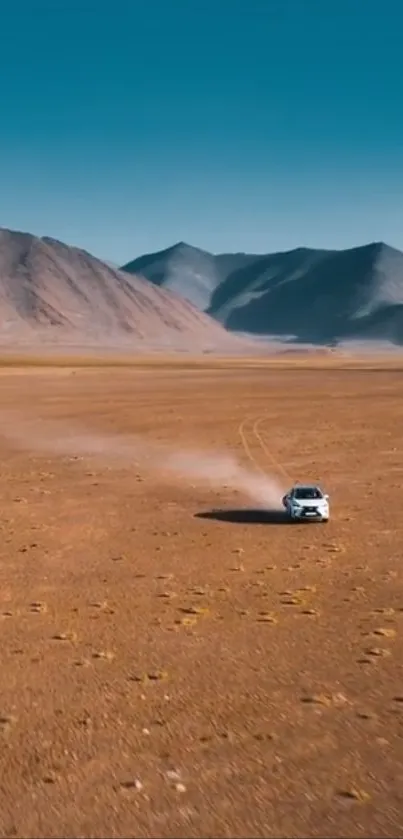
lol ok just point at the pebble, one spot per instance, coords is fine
(173, 774)
(180, 788)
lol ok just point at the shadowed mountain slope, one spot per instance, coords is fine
(316, 296)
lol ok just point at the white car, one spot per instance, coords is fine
(304, 502)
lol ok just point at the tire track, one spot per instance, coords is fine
(270, 456)
(246, 447)
(255, 430)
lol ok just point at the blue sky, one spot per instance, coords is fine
(254, 125)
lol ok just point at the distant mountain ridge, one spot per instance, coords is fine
(186, 298)
(50, 292)
(316, 296)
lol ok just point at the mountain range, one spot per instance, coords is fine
(53, 293)
(184, 298)
(303, 295)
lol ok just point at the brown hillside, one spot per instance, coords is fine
(53, 293)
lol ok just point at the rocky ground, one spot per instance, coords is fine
(175, 663)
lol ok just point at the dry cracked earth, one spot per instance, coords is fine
(174, 663)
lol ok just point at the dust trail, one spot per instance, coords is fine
(218, 470)
(209, 468)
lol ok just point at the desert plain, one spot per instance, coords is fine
(176, 660)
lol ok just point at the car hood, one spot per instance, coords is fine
(310, 502)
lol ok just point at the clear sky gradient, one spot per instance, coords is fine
(254, 125)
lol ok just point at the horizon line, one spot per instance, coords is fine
(182, 243)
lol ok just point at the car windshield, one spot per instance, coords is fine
(305, 493)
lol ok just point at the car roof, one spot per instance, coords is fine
(306, 486)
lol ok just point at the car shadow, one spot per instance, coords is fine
(246, 516)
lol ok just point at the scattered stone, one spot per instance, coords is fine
(173, 774)
(7, 721)
(317, 699)
(366, 715)
(195, 610)
(385, 632)
(157, 676)
(336, 699)
(186, 621)
(105, 655)
(38, 606)
(378, 652)
(339, 699)
(293, 601)
(51, 778)
(355, 794)
(267, 617)
(136, 784)
(180, 787)
(65, 636)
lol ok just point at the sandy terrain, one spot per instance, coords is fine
(168, 670)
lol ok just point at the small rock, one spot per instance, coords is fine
(378, 652)
(136, 784)
(385, 632)
(105, 655)
(6, 723)
(173, 774)
(180, 788)
(355, 794)
(65, 636)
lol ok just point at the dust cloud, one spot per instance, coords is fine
(169, 463)
(218, 470)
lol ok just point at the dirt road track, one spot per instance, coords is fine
(251, 427)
